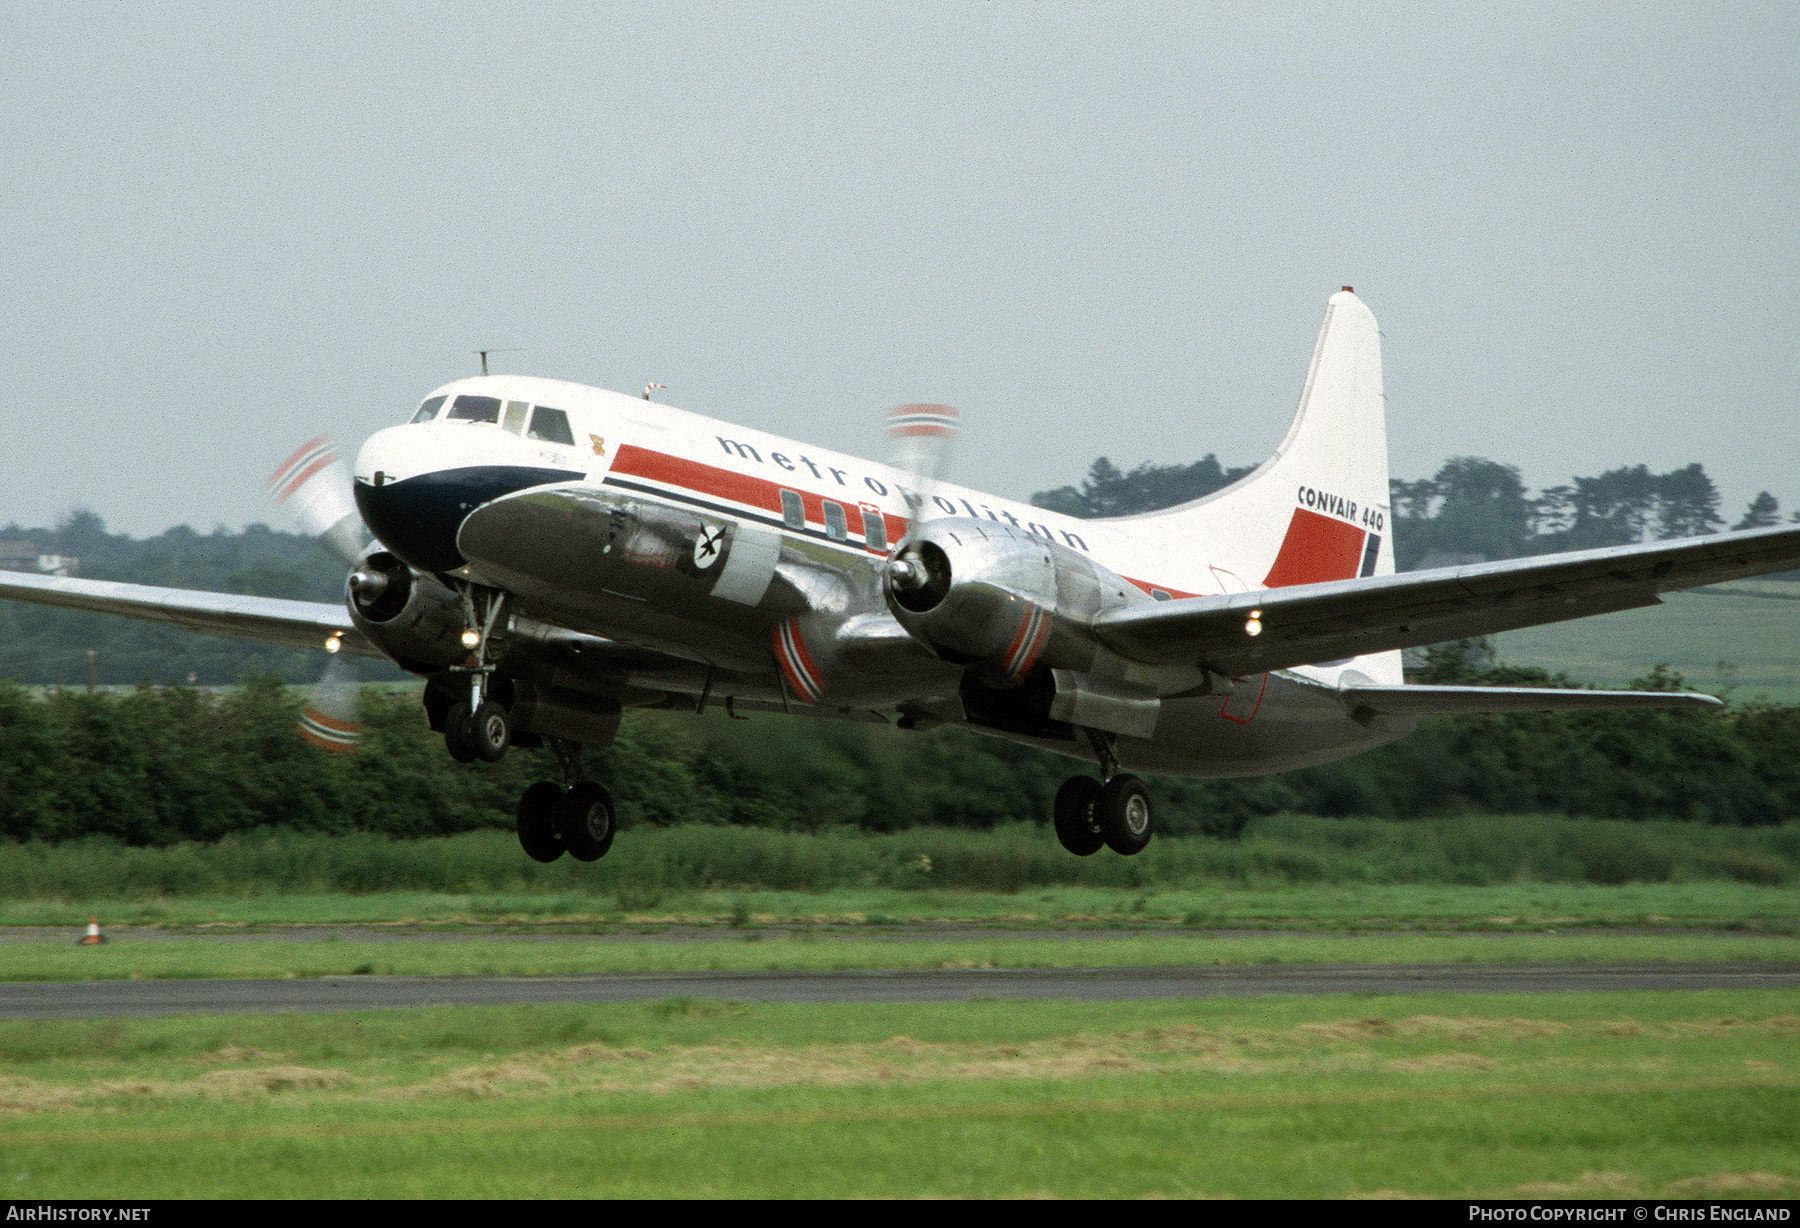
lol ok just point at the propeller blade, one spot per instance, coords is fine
(314, 485)
(329, 719)
(922, 436)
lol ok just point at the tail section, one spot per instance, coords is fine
(1318, 508)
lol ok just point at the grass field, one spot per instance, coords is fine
(1518, 1096)
(266, 957)
(1329, 906)
(1670, 1095)
(421, 934)
(1017, 866)
(1742, 641)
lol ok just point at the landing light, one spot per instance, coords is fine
(335, 642)
(1253, 624)
(470, 639)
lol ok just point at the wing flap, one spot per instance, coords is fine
(1449, 700)
(1309, 623)
(296, 624)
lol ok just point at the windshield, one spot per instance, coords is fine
(474, 409)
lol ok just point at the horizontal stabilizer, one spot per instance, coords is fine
(1237, 634)
(1446, 700)
(297, 624)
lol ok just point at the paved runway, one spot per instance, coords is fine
(96, 999)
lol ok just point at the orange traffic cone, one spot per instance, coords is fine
(94, 936)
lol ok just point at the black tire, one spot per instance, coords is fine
(1123, 812)
(489, 732)
(459, 734)
(585, 819)
(538, 833)
(1074, 813)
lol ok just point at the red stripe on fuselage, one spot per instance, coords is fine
(633, 461)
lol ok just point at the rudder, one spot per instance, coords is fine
(1318, 508)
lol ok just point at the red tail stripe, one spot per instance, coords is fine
(1316, 548)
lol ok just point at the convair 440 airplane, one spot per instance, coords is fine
(547, 555)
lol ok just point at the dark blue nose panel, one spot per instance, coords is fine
(418, 517)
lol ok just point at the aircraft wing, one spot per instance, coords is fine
(1307, 624)
(296, 624)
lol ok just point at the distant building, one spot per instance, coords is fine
(26, 556)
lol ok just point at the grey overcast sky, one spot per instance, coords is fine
(1099, 229)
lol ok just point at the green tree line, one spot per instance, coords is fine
(158, 765)
(40, 645)
(1471, 507)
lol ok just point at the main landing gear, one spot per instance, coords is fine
(1088, 814)
(576, 818)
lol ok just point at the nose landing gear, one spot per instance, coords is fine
(479, 729)
(483, 734)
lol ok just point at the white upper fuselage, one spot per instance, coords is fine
(738, 468)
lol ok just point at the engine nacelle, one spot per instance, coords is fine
(408, 614)
(998, 599)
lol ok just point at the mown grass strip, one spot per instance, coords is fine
(1510, 906)
(844, 1115)
(254, 959)
(1538, 1095)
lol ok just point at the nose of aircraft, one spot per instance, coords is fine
(414, 491)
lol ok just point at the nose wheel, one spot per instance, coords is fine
(479, 728)
(483, 733)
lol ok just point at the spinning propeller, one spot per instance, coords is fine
(922, 436)
(314, 486)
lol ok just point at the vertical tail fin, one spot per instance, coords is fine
(1318, 508)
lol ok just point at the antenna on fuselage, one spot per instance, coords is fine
(510, 349)
(648, 387)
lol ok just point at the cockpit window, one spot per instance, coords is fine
(428, 411)
(515, 416)
(474, 409)
(550, 425)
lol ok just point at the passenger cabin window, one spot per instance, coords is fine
(551, 426)
(515, 417)
(874, 528)
(793, 513)
(835, 527)
(474, 409)
(428, 411)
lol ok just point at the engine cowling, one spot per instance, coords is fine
(998, 599)
(411, 616)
